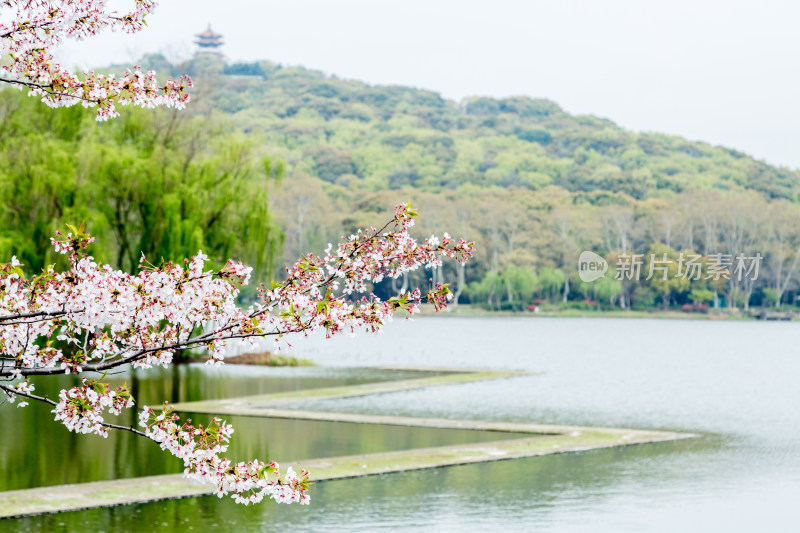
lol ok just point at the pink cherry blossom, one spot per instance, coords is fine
(91, 318)
(37, 27)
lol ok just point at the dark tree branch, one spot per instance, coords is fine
(47, 89)
(47, 314)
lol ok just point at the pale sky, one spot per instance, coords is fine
(725, 72)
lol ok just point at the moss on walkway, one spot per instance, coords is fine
(143, 489)
(235, 405)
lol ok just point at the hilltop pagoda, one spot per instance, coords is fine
(208, 42)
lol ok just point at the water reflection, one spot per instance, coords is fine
(65, 457)
(496, 496)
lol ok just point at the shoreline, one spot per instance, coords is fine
(467, 310)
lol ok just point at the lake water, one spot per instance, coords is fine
(735, 384)
(123, 454)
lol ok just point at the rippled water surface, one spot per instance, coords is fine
(735, 384)
(62, 457)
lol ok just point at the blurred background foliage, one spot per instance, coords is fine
(270, 162)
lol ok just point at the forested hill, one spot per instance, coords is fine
(388, 137)
(269, 162)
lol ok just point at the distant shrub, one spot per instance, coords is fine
(536, 136)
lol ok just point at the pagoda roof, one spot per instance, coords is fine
(209, 34)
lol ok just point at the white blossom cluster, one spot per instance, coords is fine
(20, 389)
(36, 28)
(81, 408)
(199, 448)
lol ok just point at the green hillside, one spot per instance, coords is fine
(532, 184)
(377, 137)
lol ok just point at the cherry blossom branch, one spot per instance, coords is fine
(18, 29)
(44, 399)
(304, 280)
(11, 390)
(48, 89)
(18, 316)
(92, 318)
(38, 28)
(124, 428)
(189, 343)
